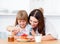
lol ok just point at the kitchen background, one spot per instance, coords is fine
(9, 9)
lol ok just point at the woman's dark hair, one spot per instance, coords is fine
(39, 16)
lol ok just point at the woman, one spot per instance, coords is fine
(36, 19)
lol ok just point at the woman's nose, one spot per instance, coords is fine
(32, 23)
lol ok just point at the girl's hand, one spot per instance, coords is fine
(10, 28)
(16, 30)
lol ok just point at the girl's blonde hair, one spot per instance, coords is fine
(21, 15)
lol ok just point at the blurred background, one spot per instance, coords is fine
(9, 9)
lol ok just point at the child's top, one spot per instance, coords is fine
(27, 30)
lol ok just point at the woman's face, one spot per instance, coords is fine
(33, 21)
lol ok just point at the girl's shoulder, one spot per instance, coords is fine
(17, 26)
(28, 25)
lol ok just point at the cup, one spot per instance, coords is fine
(38, 38)
(10, 37)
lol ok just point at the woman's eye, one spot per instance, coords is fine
(33, 21)
(30, 20)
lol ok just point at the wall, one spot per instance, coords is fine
(51, 7)
(6, 20)
(12, 6)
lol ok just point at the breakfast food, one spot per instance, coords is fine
(24, 36)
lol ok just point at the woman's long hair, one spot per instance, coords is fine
(39, 16)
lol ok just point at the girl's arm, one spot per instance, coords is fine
(12, 29)
(15, 31)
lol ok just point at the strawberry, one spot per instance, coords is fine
(24, 35)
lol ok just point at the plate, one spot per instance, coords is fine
(23, 40)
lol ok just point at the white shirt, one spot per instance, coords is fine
(49, 29)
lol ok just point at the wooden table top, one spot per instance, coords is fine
(42, 42)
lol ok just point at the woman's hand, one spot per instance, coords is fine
(48, 37)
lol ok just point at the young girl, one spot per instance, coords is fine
(21, 25)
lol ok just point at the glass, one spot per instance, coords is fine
(38, 37)
(10, 38)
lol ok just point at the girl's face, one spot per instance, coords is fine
(22, 23)
(33, 21)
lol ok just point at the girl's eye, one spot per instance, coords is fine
(22, 21)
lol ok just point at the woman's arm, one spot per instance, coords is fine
(50, 31)
(48, 37)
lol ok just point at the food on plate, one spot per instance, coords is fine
(24, 36)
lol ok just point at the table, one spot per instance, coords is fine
(43, 42)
